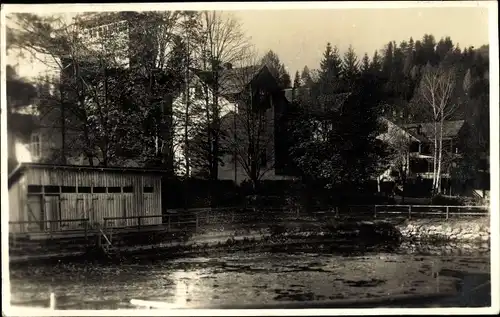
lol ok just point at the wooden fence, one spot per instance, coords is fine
(48, 226)
(202, 217)
(430, 211)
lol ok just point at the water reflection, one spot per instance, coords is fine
(241, 278)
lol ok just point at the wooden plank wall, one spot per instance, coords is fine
(16, 203)
(94, 206)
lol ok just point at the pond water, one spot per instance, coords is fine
(255, 278)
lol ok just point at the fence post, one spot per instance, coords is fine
(99, 235)
(375, 211)
(52, 301)
(85, 225)
(447, 212)
(139, 222)
(409, 212)
(232, 215)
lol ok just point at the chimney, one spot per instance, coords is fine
(228, 66)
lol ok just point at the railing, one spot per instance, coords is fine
(173, 221)
(49, 226)
(416, 211)
(195, 219)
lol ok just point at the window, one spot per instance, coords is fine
(128, 189)
(114, 190)
(84, 189)
(36, 145)
(51, 189)
(414, 147)
(68, 189)
(34, 189)
(122, 27)
(99, 190)
(192, 92)
(198, 92)
(148, 189)
(263, 158)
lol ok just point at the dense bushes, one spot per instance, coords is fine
(448, 200)
(200, 193)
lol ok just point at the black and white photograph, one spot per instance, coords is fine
(311, 157)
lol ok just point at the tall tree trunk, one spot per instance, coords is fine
(188, 102)
(63, 125)
(440, 158)
(434, 173)
(215, 129)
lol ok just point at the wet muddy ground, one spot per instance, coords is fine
(250, 278)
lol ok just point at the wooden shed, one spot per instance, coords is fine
(53, 197)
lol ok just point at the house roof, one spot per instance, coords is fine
(290, 93)
(451, 129)
(22, 167)
(335, 101)
(232, 81)
(400, 131)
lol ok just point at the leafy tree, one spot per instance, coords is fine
(96, 95)
(223, 41)
(435, 90)
(250, 130)
(347, 152)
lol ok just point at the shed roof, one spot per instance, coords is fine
(21, 168)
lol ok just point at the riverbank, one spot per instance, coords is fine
(467, 231)
(341, 237)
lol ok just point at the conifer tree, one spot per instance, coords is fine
(365, 64)
(330, 69)
(296, 81)
(350, 67)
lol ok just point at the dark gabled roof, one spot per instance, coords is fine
(21, 168)
(232, 81)
(451, 129)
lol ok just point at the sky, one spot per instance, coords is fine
(299, 37)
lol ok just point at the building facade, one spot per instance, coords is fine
(239, 90)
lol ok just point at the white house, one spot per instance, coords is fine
(233, 82)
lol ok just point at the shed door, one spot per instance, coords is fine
(52, 212)
(35, 214)
(148, 210)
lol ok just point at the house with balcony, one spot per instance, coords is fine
(414, 144)
(417, 141)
